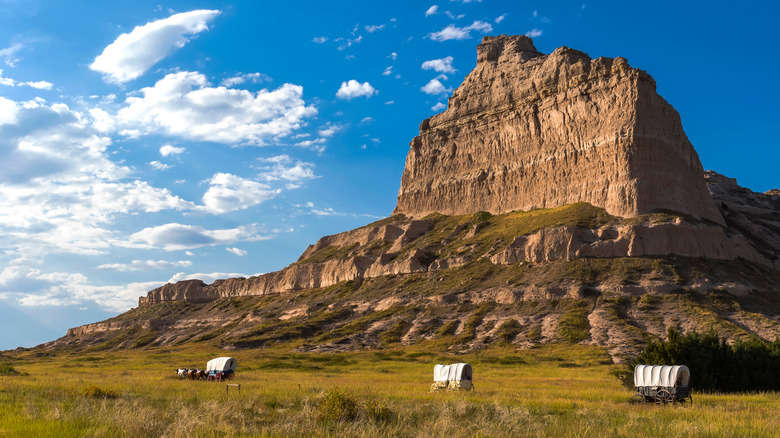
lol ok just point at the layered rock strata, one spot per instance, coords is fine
(527, 130)
(393, 248)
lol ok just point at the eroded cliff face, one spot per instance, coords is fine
(527, 130)
(400, 245)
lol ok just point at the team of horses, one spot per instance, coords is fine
(197, 374)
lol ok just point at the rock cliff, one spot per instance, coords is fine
(527, 130)
(555, 191)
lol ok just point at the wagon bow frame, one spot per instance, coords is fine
(662, 384)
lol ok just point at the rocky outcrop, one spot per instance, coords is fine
(754, 215)
(524, 131)
(679, 238)
(527, 130)
(404, 246)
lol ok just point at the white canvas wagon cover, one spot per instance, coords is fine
(661, 375)
(456, 371)
(221, 364)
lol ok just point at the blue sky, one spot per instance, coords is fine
(144, 142)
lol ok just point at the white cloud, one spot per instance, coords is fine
(167, 150)
(41, 85)
(500, 18)
(393, 56)
(207, 277)
(329, 129)
(8, 55)
(237, 251)
(132, 54)
(352, 89)
(58, 189)
(283, 167)
(367, 119)
(435, 87)
(533, 33)
(452, 16)
(432, 10)
(228, 192)
(346, 43)
(319, 40)
(145, 265)
(388, 71)
(439, 106)
(64, 289)
(453, 32)
(184, 105)
(253, 78)
(374, 28)
(443, 65)
(159, 166)
(174, 236)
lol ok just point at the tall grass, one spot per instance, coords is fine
(555, 390)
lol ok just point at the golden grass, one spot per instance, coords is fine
(554, 390)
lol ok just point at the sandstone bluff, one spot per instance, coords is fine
(557, 198)
(527, 130)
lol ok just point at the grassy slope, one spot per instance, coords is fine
(553, 390)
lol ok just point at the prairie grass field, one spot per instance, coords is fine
(557, 390)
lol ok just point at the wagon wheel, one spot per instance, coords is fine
(638, 398)
(686, 401)
(472, 388)
(663, 397)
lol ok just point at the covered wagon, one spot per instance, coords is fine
(221, 368)
(453, 377)
(662, 384)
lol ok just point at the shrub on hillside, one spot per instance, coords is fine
(98, 392)
(715, 365)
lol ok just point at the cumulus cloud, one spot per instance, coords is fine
(41, 85)
(352, 89)
(432, 10)
(500, 18)
(58, 189)
(209, 277)
(439, 106)
(453, 32)
(319, 40)
(66, 289)
(374, 28)
(167, 150)
(253, 78)
(443, 65)
(132, 54)
(175, 237)
(228, 192)
(329, 129)
(533, 33)
(285, 168)
(184, 105)
(145, 265)
(159, 166)
(434, 87)
(237, 251)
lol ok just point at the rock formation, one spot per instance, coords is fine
(601, 214)
(527, 130)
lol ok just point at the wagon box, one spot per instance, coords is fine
(662, 384)
(453, 377)
(221, 367)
